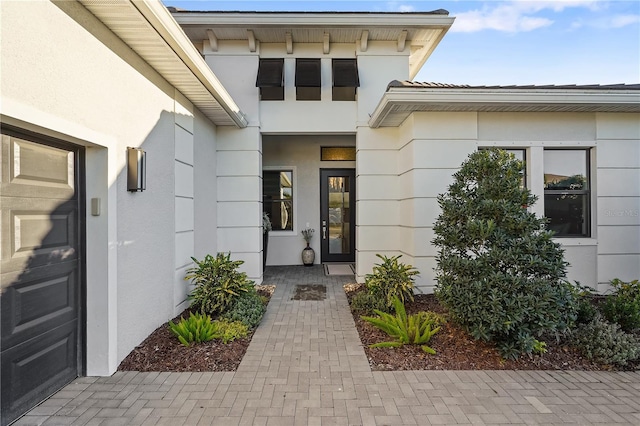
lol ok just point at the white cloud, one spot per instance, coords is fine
(516, 15)
(607, 22)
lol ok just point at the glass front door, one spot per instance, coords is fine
(337, 204)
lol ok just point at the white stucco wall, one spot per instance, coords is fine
(71, 78)
(302, 155)
(429, 148)
(618, 197)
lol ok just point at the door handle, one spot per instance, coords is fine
(324, 232)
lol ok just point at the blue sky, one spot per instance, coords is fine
(506, 42)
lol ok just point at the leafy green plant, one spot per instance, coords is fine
(416, 329)
(248, 309)
(391, 279)
(585, 308)
(197, 328)
(228, 331)
(605, 342)
(623, 306)
(499, 272)
(365, 303)
(217, 282)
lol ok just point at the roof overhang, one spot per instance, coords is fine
(398, 103)
(149, 29)
(420, 33)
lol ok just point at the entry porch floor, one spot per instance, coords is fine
(306, 366)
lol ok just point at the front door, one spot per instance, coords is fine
(41, 269)
(338, 214)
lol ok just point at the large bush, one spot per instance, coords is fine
(499, 271)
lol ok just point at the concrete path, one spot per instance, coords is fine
(306, 366)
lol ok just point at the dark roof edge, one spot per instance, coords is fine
(430, 85)
(173, 9)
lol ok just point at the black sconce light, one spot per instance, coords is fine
(136, 170)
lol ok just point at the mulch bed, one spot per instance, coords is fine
(162, 351)
(457, 350)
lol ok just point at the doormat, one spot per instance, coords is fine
(339, 269)
(310, 292)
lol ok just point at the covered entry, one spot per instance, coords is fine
(42, 273)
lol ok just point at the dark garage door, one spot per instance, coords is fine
(41, 272)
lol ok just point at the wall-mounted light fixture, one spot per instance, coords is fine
(136, 170)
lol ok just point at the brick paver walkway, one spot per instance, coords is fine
(305, 366)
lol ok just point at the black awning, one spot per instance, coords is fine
(345, 73)
(270, 73)
(308, 73)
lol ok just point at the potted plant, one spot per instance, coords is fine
(266, 227)
(308, 255)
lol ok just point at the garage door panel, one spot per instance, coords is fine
(36, 300)
(38, 232)
(36, 170)
(38, 367)
(41, 269)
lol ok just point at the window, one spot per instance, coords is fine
(337, 153)
(277, 196)
(270, 79)
(308, 79)
(345, 79)
(567, 192)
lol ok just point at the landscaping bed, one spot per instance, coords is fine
(457, 350)
(162, 351)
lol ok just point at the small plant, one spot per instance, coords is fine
(391, 279)
(586, 310)
(416, 329)
(365, 303)
(197, 328)
(623, 306)
(307, 234)
(217, 282)
(266, 223)
(248, 309)
(605, 343)
(539, 347)
(228, 331)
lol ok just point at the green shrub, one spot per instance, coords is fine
(623, 306)
(391, 279)
(217, 282)
(365, 303)
(248, 309)
(605, 343)
(585, 309)
(416, 329)
(229, 331)
(499, 272)
(197, 328)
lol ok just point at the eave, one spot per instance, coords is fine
(397, 104)
(148, 28)
(419, 32)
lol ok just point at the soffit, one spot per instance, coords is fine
(397, 104)
(423, 30)
(145, 29)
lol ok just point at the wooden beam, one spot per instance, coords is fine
(213, 40)
(289, 40)
(252, 41)
(364, 40)
(402, 40)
